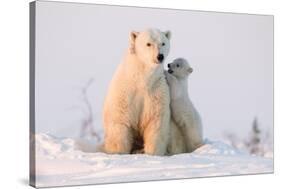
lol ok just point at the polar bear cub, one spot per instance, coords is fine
(183, 113)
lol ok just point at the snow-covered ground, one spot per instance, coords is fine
(61, 162)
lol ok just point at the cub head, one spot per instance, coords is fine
(151, 46)
(180, 68)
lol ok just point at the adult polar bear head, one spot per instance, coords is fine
(150, 46)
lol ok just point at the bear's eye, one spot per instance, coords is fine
(148, 44)
(163, 44)
(178, 65)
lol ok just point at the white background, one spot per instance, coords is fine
(14, 48)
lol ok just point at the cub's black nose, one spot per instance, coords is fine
(168, 65)
(170, 71)
(160, 57)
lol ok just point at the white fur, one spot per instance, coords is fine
(137, 103)
(176, 143)
(185, 118)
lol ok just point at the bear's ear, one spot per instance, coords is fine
(133, 36)
(168, 34)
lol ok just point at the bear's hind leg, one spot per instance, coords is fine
(118, 139)
(193, 139)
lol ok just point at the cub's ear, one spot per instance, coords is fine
(168, 34)
(190, 70)
(133, 36)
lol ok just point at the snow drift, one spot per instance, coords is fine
(61, 162)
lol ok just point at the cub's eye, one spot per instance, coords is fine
(148, 44)
(163, 44)
(178, 65)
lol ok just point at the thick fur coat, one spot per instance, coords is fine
(136, 107)
(186, 125)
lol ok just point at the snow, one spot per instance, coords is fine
(65, 161)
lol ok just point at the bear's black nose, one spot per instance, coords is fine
(160, 57)
(170, 71)
(168, 65)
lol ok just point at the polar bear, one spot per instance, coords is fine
(176, 144)
(186, 122)
(136, 107)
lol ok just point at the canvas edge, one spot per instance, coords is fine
(32, 26)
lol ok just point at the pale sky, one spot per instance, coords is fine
(231, 54)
